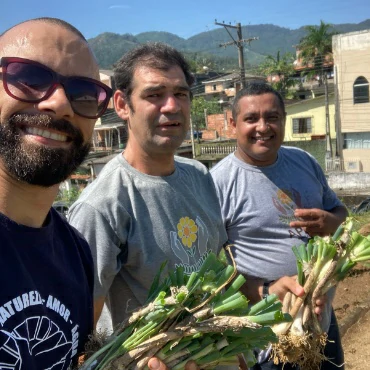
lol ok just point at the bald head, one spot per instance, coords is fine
(49, 20)
(53, 42)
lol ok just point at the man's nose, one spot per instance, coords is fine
(57, 104)
(170, 104)
(263, 125)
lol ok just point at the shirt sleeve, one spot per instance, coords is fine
(104, 244)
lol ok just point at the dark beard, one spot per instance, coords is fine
(37, 164)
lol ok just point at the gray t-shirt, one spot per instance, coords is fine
(134, 222)
(258, 203)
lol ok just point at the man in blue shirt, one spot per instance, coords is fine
(50, 98)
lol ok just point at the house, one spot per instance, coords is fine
(106, 76)
(225, 87)
(300, 66)
(352, 70)
(306, 119)
(110, 131)
(198, 87)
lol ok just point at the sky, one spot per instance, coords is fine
(182, 18)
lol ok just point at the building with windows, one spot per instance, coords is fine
(306, 119)
(225, 87)
(352, 71)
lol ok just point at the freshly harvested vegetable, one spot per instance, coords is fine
(191, 317)
(321, 265)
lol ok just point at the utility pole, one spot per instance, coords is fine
(239, 44)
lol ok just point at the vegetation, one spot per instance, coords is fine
(361, 220)
(190, 317)
(202, 107)
(109, 47)
(68, 196)
(282, 69)
(205, 62)
(316, 52)
(321, 265)
(316, 48)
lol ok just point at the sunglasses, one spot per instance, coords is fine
(32, 82)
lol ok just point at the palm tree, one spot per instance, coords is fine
(282, 67)
(315, 51)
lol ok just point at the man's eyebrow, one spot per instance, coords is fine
(182, 88)
(156, 88)
(256, 113)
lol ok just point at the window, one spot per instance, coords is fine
(356, 140)
(302, 125)
(214, 87)
(361, 90)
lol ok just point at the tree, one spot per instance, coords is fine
(282, 69)
(316, 51)
(69, 196)
(200, 108)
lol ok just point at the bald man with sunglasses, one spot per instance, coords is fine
(50, 98)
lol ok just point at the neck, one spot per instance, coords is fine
(150, 164)
(24, 203)
(240, 154)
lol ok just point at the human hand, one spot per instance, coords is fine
(320, 305)
(156, 364)
(286, 284)
(315, 221)
(289, 284)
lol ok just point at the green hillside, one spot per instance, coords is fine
(109, 47)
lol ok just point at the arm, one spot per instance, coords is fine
(316, 221)
(98, 307)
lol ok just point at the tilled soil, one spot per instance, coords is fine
(352, 308)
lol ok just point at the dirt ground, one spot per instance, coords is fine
(352, 308)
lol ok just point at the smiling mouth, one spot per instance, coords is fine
(47, 134)
(263, 138)
(174, 124)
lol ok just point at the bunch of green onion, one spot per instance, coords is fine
(202, 317)
(321, 263)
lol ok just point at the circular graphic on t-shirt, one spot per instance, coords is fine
(37, 340)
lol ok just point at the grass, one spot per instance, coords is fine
(362, 219)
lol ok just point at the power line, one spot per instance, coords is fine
(239, 44)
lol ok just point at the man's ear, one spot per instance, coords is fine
(121, 105)
(233, 125)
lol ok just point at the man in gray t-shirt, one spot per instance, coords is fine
(273, 198)
(148, 206)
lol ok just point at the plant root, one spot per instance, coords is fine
(95, 342)
(305, 351)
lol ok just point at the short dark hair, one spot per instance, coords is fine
(156, 55)
(254, 88)
(50, 20)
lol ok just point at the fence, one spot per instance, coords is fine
(334, 164)
(217, 149)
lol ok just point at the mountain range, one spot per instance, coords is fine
(109, 47)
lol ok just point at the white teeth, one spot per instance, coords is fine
(45, 133)
(263, 138)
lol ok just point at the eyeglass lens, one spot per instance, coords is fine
(32, 83)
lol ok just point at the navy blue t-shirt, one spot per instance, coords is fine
(46, 306)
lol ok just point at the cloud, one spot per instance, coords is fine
(119, 7)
